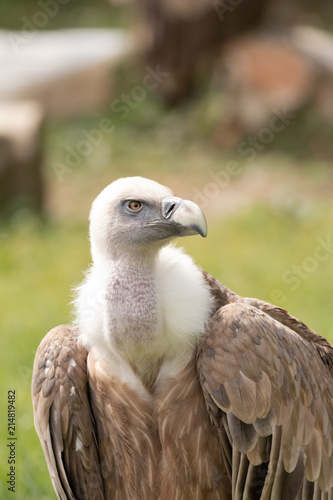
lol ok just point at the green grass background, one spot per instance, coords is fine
(250, 246)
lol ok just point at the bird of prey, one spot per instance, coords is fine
(169, 386)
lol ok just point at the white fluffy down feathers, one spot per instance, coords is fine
(184, 299)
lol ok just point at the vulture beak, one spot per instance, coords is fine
(186, 217)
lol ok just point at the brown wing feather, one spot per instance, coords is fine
(270, 376)
(63, 417)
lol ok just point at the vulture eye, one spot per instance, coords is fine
(134, 205)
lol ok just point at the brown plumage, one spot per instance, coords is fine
(245, 412)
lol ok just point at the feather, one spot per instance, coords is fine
(243, 435)
(313, 457)
(265, 426)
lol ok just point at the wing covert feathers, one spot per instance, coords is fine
(267, 380)
(63, 417)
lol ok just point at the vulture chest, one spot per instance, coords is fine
(162, 440)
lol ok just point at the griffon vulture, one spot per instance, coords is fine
(169, 386)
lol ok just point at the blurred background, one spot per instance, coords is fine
(229, 103)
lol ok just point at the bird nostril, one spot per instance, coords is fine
(170, 210)
(169, 205)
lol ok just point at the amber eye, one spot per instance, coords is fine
(134, 205)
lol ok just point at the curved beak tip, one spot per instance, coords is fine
(190, 216)
(203, 232)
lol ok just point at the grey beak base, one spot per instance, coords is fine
(169, 205)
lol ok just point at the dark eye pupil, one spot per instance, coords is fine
(134, 205)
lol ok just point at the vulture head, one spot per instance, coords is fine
(136, 215)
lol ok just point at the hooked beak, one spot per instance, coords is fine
(185, 216)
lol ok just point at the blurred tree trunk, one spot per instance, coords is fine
(180, 32)
(21, 181)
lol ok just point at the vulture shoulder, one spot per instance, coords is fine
(63, 416)
(268, 382)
